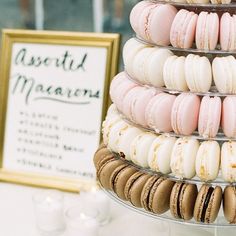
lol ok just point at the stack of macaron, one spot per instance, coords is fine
(184, 157)
(182, 28)
(163, 112)
(159, 67)
(157, 194)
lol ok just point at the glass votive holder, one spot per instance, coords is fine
(49, 212)
(99, 201)
(81, 221)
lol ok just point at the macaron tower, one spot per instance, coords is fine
(169, 138)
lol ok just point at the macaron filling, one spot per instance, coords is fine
(178, 201)
(206, 202)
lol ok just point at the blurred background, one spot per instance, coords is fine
(68, 15)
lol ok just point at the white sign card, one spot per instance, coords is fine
(55, 107)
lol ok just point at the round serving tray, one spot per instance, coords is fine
(220, 222)
(195, 180)
(231, 7)
(213, 91)
(211, 54)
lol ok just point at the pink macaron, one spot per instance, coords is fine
(158, 112)
(147, 21)
(119, 87)
(135, 102)
(183, 29)
(228, 32)
(136, 12)
(228, 122)
(185, 112)
(207, 31)
(209, 116)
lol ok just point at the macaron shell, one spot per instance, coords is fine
(135, 14)
(155, 66)
(214, 205)
(228, 161)
(225, 31)
(208, 160)
(198, 73)
(158, 112)
(139, 105)
(184, 115)
(209, 116)
(207, 31)
(189, 34)
(176, 27)
(115, 134)
(125, 141)
(120, 86)
(140, 63)
(136, 190)
(130, 182)
(183, 157)
(161, 197)
(107, 125)
(114, 174)
(121, 180)
(159, 30)
(229, 121)
(159, 154)
(146, 192)
(129, 100)
(174, 73)
(229, 204)
(99, 155)
(187, 201)
(131, 49)
(143, 22)
(140, 147)
(105, 172)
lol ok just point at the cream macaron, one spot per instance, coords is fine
(108, 123)
(224, 74)
(208, 160)
(140, 148)
(125, 141)
(130, 50)
(198, 73)
(183, 157)
(228, 121)
(174, 73)
(228, 161)
(160, 153)
(115, 133)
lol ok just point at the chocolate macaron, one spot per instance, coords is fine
(156, 194)
(101, 156)
(119, 180)
(109, 168)
(134, 187)
(229, 204)
(182, 200)
(207, 204)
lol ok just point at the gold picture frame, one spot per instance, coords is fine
(110, 42)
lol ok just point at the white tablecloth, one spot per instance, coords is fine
(17, 217)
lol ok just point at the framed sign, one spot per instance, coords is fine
(54, 95)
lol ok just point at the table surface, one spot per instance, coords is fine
(17, 217)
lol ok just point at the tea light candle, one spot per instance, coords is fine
(98, 201)
(81, 221)
(49, 211)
